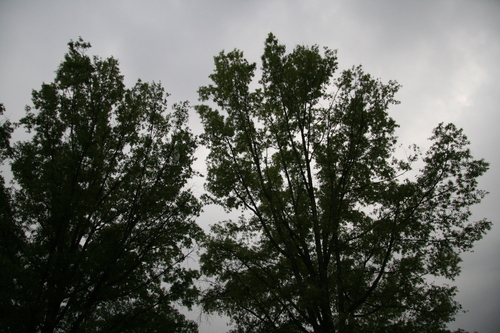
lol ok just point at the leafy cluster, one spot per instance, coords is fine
(337, 234)
(334, 238)
(99, 218)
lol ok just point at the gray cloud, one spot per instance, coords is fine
(444, 53)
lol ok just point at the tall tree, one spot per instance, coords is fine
(335, 235)
(10, 234)
(100, 194)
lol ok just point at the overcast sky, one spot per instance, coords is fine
(444, 53)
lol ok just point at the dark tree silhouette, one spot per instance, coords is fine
(99, 218)
(336, 236)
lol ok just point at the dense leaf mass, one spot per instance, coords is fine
(339, 231)
(336, 235)
(99, 222)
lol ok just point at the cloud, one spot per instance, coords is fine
(444, 53)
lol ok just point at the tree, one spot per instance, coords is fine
(10, 233)
(100, 195)
(335, 233)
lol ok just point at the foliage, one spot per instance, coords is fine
(100, 196)
(10, 233)
(335, 236)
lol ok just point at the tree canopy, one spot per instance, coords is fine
(339, 232)
(98, 223)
